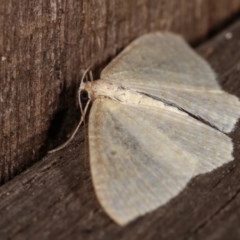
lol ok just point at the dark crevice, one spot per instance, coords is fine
(64, 119)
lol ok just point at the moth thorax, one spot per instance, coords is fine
(101, 88)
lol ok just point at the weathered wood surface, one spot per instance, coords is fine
(54, 199)
(44, 46)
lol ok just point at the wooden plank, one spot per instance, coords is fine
(54, 199)
(44, 46)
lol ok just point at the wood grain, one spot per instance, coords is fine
(54, 199)
(44, 46)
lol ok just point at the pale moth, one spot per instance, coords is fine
(158, 118)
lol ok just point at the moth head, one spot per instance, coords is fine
(85, 92)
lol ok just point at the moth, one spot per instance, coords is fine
(158, 118)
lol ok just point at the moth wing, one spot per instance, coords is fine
(142, 157)
(164, 66)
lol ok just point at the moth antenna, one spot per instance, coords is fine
(85, 109)
(91, 76)
(74, 132)
(83, 113)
